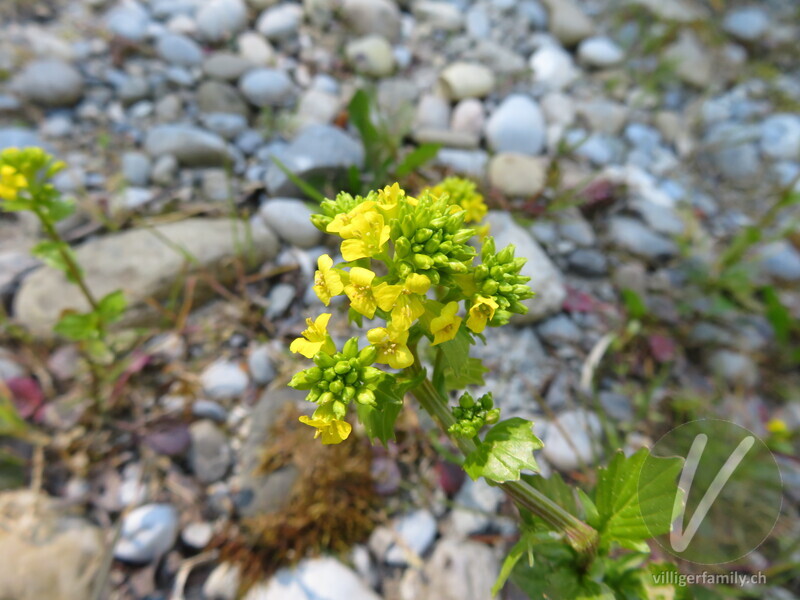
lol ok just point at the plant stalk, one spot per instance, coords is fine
(581, 536)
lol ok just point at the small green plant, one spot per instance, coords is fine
(25, 185)
(410, 262)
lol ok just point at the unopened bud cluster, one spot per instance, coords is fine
(471, 415)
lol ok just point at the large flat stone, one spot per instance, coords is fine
(143, 264)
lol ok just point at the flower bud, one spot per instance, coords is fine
(313, 374)
(493, 416)
(466, 400)
(457, 267)
(446, 247)
(366, 396)
(487, 403)
(481, 272)
(404, 269)
(324, 360)
(300, 382)
(506, 255)
(407, 226)
(339, 409)
(462, 236)
(488, 248)
(351, 377)
(336, 387)
(342, 367)
(489, 287)
(323, 385)
(433, 276)
(402, 247)
(421, 261)
(431, 246)
(518, 307)
(326, 397)
(348, 393)
(313, 395)
(423, 235)
(329, 374)
(371, 375)
(438, 222)
(350, 349)
(321, 222)
(367, 356)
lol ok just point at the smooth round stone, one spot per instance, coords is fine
(224, 379)
(136, 167)
(780, 136)
(749, 23)
(128, 20)
(260, 365)
(226, 66)
(469, 116)
(147, 533)
(371, 55)
(517, 125)
(364, 17)
(179, 50)
(255, 48)
(291, 220)
(197, 534)
(218, 20)
(553, 68)
(267, 87)
(50, 82)
(517, 175)
(573, 440)
(600, 52)
(417, 531)
(280, 22)
(210, 454)
(433, 112)
(467, 80)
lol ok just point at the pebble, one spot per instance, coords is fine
(148, 532)
(259, 363)
(165, 170)
(226, 66)
(466, 162)
(223, 582)
(50, 82)
(559, 330)
(468, 117)
(255, 48)
(223, 380)
(280, 298)
(691, 60)
(314, 579)
(588, 262)
(474, 507)
(517, 125)
(191, 146)
(733, 368)
(364, 17)
(466, 80)
(136, 167)
(747, 23)
(546, 280)
(219, 97)
(411, 533)
(573, 440)
(780, 260)
(517, 175)
(433, 112)
(780, 136)
(128, 20)
(218, 20)
(734, 151)
(280, 22)
(210, 455)
(371, 55)
(600, 52)
(291, 220)
(18, 137)
(568, 22)
(197, 534)
(179, 50)
(268, 87)
(553, 68)
(635, 237)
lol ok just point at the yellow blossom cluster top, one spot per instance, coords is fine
(408, 261)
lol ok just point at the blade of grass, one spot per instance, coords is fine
(305, 187)
(416, 158)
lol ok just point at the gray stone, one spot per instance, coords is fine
(517, 125)
(600, 149)
(546, 281)
(447, 137)
(433, 112)
(291, 220)
(661, 219)
(314, 579)
(747, 23)
(259, 363)
(165, 170)
(225, 125)
(635, 237)
(517, 174)
(255, 48)
(734, 151)
(568, 22)
(280, 22)
(226, 66)
(223, 582)
(466, 80)
(136, 168)
(218, 97)
(268, 87)
(46, 552)
(132, 89)
(128, 20)
(192, 146)
(210, 454)
(604, 116)
(413, 532)
(224, 379)
(140, 263)
(317, 107)
(780, 260)
(572, 440)
(577, 230)
(466, 162)
(600, 52)
(371, 55)
(681, 11)
(18, 137)
(780, 136)
(553, 68)
(319, 150)
(280, 298)
(617, 406)
(179, 50)
(50, 82)
(380, 17)
(559, 330)
(691, 59)
(469, 117)
(197, 534)
(474, 505)
(439, 15)
(733, 368)
(588, 262)
(147, 533)
(218, 20)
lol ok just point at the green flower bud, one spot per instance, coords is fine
(438, 222)
(404, 270)
(402, 247)
(342, 367)
(463, 236)
(518, 308)
(367, 356)
(313, 374)
(446, 247)
(323, 385)
(407, 226)
(439, 260)
(493, 416)
(329, 374)
(489, 287)
(455, 222)
(487, 402)
(321, 222)
(300, 382)
(433, 276)
(488, 248)
(466, 400)
(313, 395)
(421, 261)
(348, 393)
(350, 349)
(431, 246)
(351, 377)
(481, 272)
(457, 267)
(506, 288)
(372, 375)
(326, 397)
(506, 255)
(366, 396)
(423, 235)
(336, 387)
(339, 409)
(324, 360)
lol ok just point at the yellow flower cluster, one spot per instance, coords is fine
(11, 182)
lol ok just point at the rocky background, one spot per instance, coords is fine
(630, 140)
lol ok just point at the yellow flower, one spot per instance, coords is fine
(315, 338)
(409, 303)
(445, 327)
(342, 223)
(391, 345)
(390, 197)
(366, 298)
(327, 281)
(777, 427)
(334, 431)
(475, 208)
(481, 311)
(11, 181)
(366, 236)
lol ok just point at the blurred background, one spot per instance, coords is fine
(643, 155)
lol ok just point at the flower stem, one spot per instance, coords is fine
(581, 536)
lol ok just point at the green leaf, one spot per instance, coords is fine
(78, 326)
(50, 253)
(471, 374)
(416, 158)
(545, 581)
(17, 205)
(778, 315)
(517, 551)
(58, 209)
(112, 306)
(635, 504)
(557, 490)
(359, 110)
(634, 304)
(11, 423)
(12, 470)
(506, 450)
(455, 354)
(379, 420)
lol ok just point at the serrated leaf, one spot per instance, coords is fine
(505, 451)
(635, 504)
(379, 420)
(455, 354)
(77, 326)
(517, 551)
(49, 252)
(472, 374)
(547, 581)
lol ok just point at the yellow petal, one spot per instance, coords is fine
(324, 263)
(417, 283)
(305, 347)
(361, 277)
(353, 250)
(386, 295)
(401, 357)
(336, 432)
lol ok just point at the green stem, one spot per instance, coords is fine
(581, 536)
